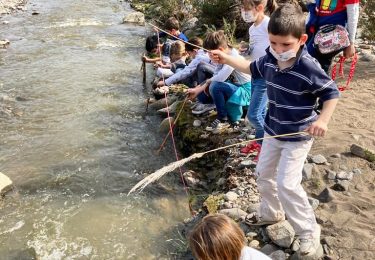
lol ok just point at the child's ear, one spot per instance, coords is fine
(303, 38)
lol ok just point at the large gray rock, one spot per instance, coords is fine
(318, 159)
(5, 184)
(165, 125)
(315, 256)
(172, 109)
(234, 213)
(135, 17)
(159, 104)
(307, 171)
(269, 249)
(326, 195)
(278, 255)
(282, 233)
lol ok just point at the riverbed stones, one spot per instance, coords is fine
(278, 255)
(307, 171)
(235, 213)
(331, 175)
(171, 110)
(318, 159)
(5, 184)
(362, 152)
(269, 249)
(282, 233)
(314, 203)
(197, 123)
(4, 43)
(254, 243)
(341, 185)
(345, 175)
(326, 195)
(191, 179)
(230, 196)
(135, 17)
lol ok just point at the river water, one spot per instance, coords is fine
(74, 138)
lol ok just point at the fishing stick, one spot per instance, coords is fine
(175, 37)
(172, 166)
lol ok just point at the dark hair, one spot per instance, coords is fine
(288, 19)
(172, 23)
(217, 237)
(196, 41)
(269, 5)
(214, 40)
(151, 43)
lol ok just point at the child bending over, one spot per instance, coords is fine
(219, 237)
(229, 88)
(294, 82)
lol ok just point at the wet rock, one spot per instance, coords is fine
(5, 184)
(234, 213)
(278, 255)
(318, 159)
(282, 233)
(314, 203)
(172, 109)
(269, 249)
(341, 185)
(197, 123)
(326, 195)
(4, 43)
(230, 196)
(191, 179)
(345, 175)
(165, 125)
(331, 175)
(135, 17)
(307, 171)
(159, 104)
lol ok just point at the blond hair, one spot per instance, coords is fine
(177, 51)
(217, 237)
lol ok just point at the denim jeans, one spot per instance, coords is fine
(220, 93)
(258, 106)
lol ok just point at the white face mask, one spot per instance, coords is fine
(248, 16)
(285, 56)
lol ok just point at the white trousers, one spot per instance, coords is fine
(279, 182)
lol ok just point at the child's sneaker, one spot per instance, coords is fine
(201, 108)
(308, 246)
(217, 126)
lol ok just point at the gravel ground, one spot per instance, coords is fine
(7, 6)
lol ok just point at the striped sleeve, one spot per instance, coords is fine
(322, 86)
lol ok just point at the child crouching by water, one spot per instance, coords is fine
(178, 57)
(219, 237)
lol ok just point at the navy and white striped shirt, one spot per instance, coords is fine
(292, 93)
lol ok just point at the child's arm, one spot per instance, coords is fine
(150, 60)
(194, 92)
(320, 126)
(237, 63)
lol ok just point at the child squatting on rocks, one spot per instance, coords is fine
(218, 237)
(294, 82)
(229, 89)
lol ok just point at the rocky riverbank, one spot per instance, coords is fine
(8, 6)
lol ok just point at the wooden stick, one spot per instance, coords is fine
(172, 166)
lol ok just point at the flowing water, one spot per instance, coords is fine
(74, 138)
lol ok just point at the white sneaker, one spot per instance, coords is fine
(201, 108)
(308, 246)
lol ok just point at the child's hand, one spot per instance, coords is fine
(317, 128)
(218, 56)
(192, 93)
